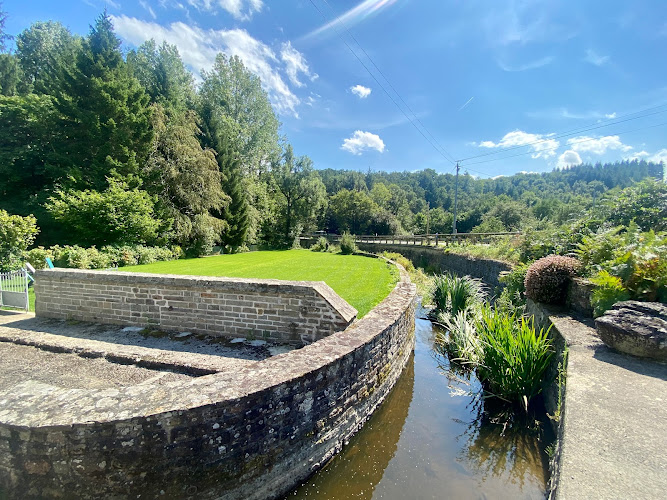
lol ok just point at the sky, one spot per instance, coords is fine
(505, 86)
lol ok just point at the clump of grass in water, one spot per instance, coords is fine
(451, 294)
(510, 358)
(515, 355)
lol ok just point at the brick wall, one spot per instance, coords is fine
(251, 434)
(296, 312)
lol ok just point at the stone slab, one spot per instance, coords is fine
(613, 439)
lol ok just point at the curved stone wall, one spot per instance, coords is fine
(255, 433)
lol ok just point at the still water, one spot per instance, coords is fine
(432, 438)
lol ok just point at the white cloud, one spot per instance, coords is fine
(541, 145)
(568, 159)
(660, 156)
(147, 6)
(610, 115)
(597, 145)
(295, 63)
(240, 9)
(595, 59)
(361, 91)
(525, 66)
(639, 155)
(362, 141)
(198, 48)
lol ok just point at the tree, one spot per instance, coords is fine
(235, 214)
(351, 211)
(234, 105)
(11, 76)
(45, 51)
(119, 215)
(3, 35)
(16, 235)
(29, 166)
(185, 179)
(162, 73)
(300, 193)
(105, 128)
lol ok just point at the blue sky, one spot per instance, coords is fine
(476, 77)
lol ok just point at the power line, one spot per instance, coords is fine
(573, 132)
(442, 152)
(559, 146)
(449, 156)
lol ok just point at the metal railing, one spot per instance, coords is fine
(14, 289)
(416, 239)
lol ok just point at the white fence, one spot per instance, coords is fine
(14, 289)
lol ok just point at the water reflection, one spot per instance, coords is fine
(434, 437)
(356, 471)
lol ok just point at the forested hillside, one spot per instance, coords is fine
(113, 147)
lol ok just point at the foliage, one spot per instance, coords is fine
(299, 196)
(451, 295)
(547, 279)
(16, 235)
(347, 244)
(397, 257)
(185, 179)
(608, 290)
(117, 215)
(461, 342)
(362, 281)
(235, 214)
(515, 355)
(105, 125)
(78, 257)
(321, 245)
(514, 291)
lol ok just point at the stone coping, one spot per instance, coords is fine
(611, 435)
(38, 405)
(218, 283)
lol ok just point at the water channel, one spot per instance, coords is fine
(432, 438)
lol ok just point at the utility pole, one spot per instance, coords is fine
(456, 196)
(428, 218)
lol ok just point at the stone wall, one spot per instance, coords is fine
(436, 260)
(251, 434)
(294, 312)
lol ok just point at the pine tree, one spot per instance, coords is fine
(236, 213)
(106, 119)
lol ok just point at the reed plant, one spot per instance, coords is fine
(451, 295)
(515, 355)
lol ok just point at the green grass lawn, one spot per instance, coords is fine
(362, 281)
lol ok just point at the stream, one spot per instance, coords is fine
(433, 438)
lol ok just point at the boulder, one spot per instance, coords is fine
(637, 328)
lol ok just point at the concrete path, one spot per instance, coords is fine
(614, 440)
(88, 355)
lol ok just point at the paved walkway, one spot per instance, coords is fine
(87, 355)
(614, 442)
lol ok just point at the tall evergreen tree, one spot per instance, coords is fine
(106, 119)
(236, 213)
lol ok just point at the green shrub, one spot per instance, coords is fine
(347, 244)
(451, 294)
(321, 245)
(37, 257)
(515, 356)
(397, 257)
(513, 295)
(608, 290)
(547, 278)
(460, 341)
(599, 247)
(16, 235)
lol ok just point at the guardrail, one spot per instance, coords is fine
(416, 239)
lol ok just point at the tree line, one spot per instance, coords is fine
(107, 147)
